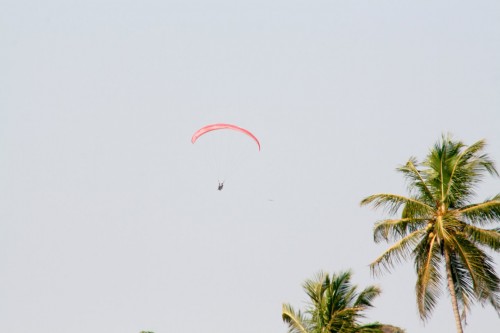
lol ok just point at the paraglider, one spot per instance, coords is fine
(213, 127)
(224, 126)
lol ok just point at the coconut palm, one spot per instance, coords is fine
(442, 230)
(334, 306)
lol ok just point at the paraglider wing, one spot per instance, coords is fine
(213, 127)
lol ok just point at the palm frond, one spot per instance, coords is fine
(366, 296)
(482, 213)
(416, 182)
(392, 203)
(461, 172)
(314, 288)
(464, 288)
(394, 229)
(427, 264)
(397, 253)
(464, 168)
(454, 170)
(487, 238)
(480, 268)
(297, 322)
(484, 162)
(340, 292)
(370, 328)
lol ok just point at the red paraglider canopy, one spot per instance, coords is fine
(213, 127)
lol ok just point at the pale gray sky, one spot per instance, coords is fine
(111, 222)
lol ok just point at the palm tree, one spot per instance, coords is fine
(335, 307)
(442, 230)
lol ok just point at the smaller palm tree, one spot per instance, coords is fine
(334, 306)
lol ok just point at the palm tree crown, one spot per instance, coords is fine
(334, 306)
(442, 229)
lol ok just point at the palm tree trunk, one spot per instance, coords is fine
(451, 287)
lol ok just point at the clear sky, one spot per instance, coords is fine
(110, 220)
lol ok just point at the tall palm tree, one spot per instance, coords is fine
(334, 307)
(442, 230)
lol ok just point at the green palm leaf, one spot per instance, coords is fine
(393, 229)
(297, 322)
(397, 253)
(392, 203)
(484, 237)
(483, 213)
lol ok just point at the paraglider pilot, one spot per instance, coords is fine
(221, 186)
